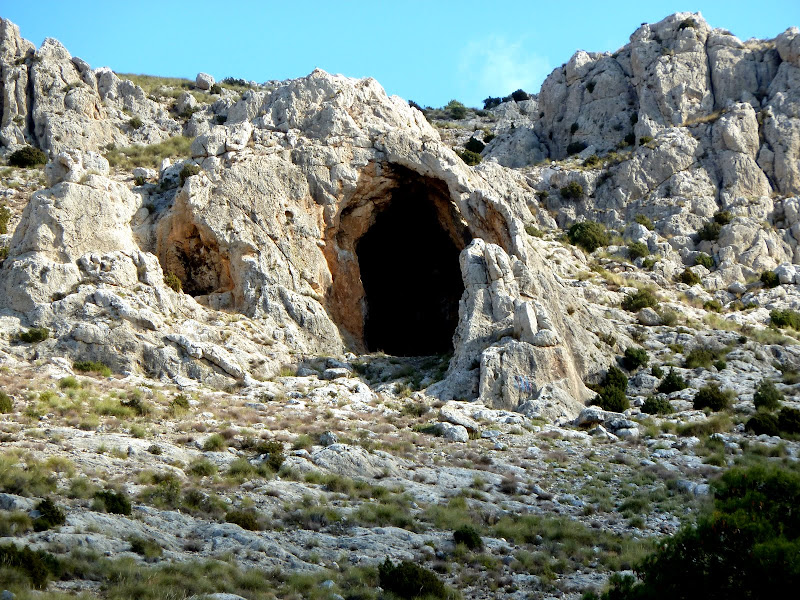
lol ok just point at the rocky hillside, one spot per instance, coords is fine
(257, 338)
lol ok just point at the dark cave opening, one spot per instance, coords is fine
(412, 281)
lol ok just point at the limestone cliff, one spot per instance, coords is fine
(322, 216)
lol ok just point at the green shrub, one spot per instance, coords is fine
(709, 232)
(189, 170)
(789, 420)
(50, 515)
(572, 191)
(638, 300)
(668, 317)
(135, 403)
(180, 401)
(410, 581)
(713, 305)
(114, 502)
(615, 378)
(635, 358)
(611, 393)
(273, 453)
(767, 396)
(723, 217)
(657, 405)
(785, 318)
(704, 259)
(135, 123)
(519, 95)
(575, 147)
(149, 549)
(644, 220)
(214, 443)
(763, 423)
(638, 250)
(6, 404)
(656, 371)
(770, 279)
(702, 357)
(689, 277)
(242, 470)
(456, 110)
(589, 235)
(474, 145)
(710, 396)
(165, 493)
(533, 231)
(746, 547)
(469, 157)
(672, 382)
(34, 335)
(592, 161)
(236, 82)
(36, 566)
(5, 217)
(246, 519)
(469, 536)
(215, 89)
(68, 383)
(89, 366)
(27, 156)
(173, 282)
(202, 468)
(612, 399)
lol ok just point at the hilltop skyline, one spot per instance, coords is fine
(426, 53)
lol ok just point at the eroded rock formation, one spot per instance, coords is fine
(324, 216)
(327, 214)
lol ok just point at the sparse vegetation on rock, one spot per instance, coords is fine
(27, 156)
(572, 191)
(588, 235)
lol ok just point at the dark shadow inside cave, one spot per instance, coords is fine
(411, 277)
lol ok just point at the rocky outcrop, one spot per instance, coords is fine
(270, 229)
(686, 120)
(57, 102)
(284, 235)
(13, 84)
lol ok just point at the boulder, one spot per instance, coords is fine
(204, 81)
(454, 433)
(649, 317)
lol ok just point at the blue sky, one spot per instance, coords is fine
(429, 52)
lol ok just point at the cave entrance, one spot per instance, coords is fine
(396, 275)
(412, 281)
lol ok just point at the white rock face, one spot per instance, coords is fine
(70, 106)
(288, 186)
(268, 229)
(14, 84)
(74, 165)
(204, 81)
